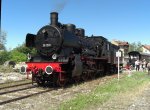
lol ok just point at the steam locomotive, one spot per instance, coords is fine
(135, 55)
(65, 54)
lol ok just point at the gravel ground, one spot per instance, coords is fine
(136, 100)
(13, 76)
(142, 102)
(52, 99)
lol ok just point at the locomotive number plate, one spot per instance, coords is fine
(47, 45)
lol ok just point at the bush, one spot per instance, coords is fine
(18, 56)
(4, 56)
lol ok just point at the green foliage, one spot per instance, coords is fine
(18, 56)
(106, 91)
(23, 49)
(4, 56)
(135, 46)
(2, 40)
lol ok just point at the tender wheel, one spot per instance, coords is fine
(92, 75)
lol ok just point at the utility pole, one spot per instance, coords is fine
(118, 55)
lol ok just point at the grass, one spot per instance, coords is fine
(103, 93)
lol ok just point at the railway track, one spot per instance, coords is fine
(18, 91)
(15, 85)
(23, 92)
(13, 82)
(12, 98)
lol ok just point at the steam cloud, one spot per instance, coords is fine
(59, 6)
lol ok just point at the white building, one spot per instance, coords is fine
(124, 47)
(146, 49)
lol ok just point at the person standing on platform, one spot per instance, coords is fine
(144, 65)
(137, 65)
(148, 67)
(128, 68)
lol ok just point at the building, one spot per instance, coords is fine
(124, 47)
(146, 49)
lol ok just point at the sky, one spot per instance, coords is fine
(125, 20)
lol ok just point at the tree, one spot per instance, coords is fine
(139, 47)
(2, 40)
(4, 56)
(135, 46)
(18, 56)
(132, 46)
(23, 49)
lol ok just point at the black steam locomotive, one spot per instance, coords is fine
(64, 54)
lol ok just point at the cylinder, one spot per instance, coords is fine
(54, 18)
(71, 28)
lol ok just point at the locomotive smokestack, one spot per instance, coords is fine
(54, 18)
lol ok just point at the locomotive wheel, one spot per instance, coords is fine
(61, 83)
(40, 82)
(33, 78)
(77, 79)
(85, 76)
(61, 80)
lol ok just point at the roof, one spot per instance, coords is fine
(121, 43)
(134, 53)
(147, 47)
(145, 54)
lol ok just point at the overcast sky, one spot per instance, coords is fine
(127, 20)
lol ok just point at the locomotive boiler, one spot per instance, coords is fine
(65, 54)
(54, 39)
